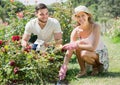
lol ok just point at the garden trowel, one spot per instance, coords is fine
(59, 82)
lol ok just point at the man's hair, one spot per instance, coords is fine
(40, 6)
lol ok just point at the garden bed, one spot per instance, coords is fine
(28, 66)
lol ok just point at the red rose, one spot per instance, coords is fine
(16, 70)
(16, 38)
(63, 50)
(12, 63)
(14, 81)
(1, 42)
(28, 48)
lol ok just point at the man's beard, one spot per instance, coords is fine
(42, 21)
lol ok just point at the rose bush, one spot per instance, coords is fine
(27, 66)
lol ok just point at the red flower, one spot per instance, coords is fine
(14, 81)
(12, 63)
(16, 70)
(1, 42)
(63, 50)
(28, 48)
(16, 38)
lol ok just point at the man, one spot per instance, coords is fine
(47, 29)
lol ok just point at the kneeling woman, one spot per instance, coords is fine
(86, 41)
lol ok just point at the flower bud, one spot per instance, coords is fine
(12, 63)
(16, 70)
(1, 42)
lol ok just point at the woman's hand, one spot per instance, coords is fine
(70, 46)
(73, 45)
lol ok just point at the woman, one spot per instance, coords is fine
(86, 41)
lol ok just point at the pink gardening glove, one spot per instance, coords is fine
(70, 46)
(62, 72)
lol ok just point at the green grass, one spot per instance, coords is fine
(112, 77)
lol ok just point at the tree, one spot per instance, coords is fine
(8, 9)
(63, 12)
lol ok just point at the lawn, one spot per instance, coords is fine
(112, 77)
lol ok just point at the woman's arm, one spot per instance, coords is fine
(73, 36)
(96, 33)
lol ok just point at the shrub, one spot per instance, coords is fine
(114, 32)
(21, 66)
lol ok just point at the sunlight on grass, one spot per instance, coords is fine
(96, 81)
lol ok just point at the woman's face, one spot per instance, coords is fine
(82, 18)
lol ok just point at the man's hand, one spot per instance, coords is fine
(46, 44)
(25, 39)
(27, 48)
(24, 43)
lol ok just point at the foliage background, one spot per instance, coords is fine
(105, 12)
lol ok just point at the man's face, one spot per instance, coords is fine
(42, 15)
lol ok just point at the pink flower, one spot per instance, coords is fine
(5, 23)
(20, 15)
(16, 70)
(12, 63)
(16, 38)
(11, 0)
(1, 42)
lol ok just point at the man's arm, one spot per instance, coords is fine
(25, 39)
(58, 38)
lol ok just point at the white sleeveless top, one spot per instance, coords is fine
(90, 39)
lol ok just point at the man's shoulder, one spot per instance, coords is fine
(33, 20)
(53, 20)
